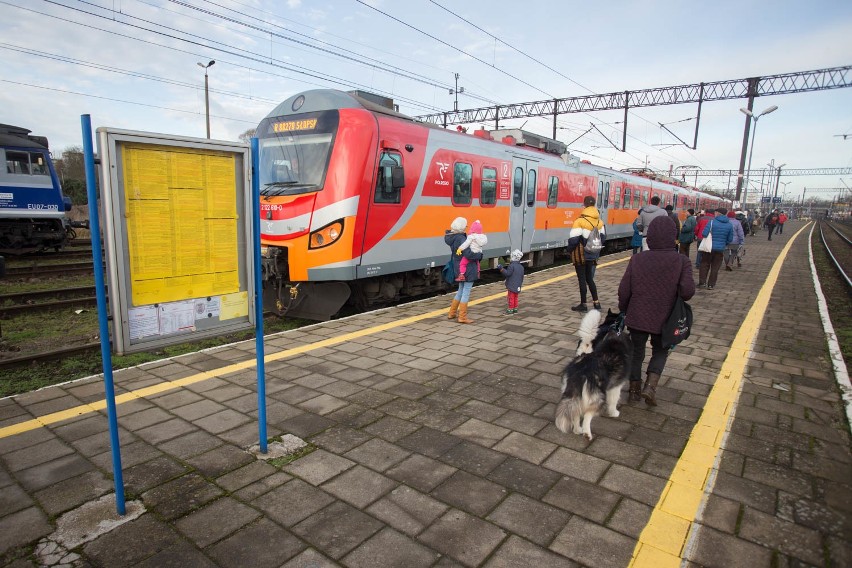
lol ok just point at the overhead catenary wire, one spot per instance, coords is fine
(305, 75)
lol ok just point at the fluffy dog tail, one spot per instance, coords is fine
(588, 331)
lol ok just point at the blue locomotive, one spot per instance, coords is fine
(32, 206)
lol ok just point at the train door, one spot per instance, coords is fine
(522, 215)
(604, 187)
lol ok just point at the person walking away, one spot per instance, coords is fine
(687, 232)
(514, 275)
(770, 222)
(647, 292)
(476, 240)
(734, 246)
(741, 217)
(636, 242)
(782, 218)
(706, 217)
(752, 219)
(454, 238)
(647, 213)
(673, 216)
(722, 233)
(586, 262)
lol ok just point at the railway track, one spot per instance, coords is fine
(838, 245)
(37, 270)
(47, 300)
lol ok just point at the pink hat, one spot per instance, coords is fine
(476, 227)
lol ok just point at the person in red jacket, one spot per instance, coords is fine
(782, 218)
(651, 283)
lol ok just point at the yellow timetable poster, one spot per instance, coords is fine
(181, 216)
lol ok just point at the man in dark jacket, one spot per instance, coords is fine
(771, 221)
(651, 283)
(673, 216)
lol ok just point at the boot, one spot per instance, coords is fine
(454, 308)
(649, 391)
(635, 394)
(463, 313)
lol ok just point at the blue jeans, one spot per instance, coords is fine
(463, 294)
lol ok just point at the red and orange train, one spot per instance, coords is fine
(355, 199)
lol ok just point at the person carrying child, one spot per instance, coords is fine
(514, 274)
(476, 240)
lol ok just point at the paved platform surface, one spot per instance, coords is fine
(435, 444)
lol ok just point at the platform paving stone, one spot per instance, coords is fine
(262, 544)
(390, 549)
(337, 529)
(359, 486)
(463, 537)
(180, 496)
(435, 445)
(216, 520)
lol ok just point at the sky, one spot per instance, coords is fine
(133, 65)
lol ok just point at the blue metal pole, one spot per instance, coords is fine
(258, 295)
(103, 326)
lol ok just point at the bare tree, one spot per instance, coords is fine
(247, 135)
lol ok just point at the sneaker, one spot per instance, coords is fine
(580, 308)
(597, 305)
(709, 287)
(514, 310)
(728, 268)
(508, 312)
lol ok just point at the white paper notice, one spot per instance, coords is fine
(176, 317)
(207, 307)
(143, 322)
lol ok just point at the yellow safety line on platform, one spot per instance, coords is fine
(663, 539)
(159, 388)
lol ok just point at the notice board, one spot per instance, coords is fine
(177, 237)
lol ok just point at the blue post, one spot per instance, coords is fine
(258, 295)
(103, 327)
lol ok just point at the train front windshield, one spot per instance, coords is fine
(294, 153)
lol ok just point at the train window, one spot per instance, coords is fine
(637, 194)
(605, 196)
(530, 188)
(644, 198)
(17, 162)
(600, 192)
(385, 191)
(488, 187)
(38, 165)
(462, 174)
(552, 191)
(627, 195)
(518, 187)
(616, 203)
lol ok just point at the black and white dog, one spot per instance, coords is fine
(595, 376)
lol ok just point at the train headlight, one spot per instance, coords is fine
(326, 235)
